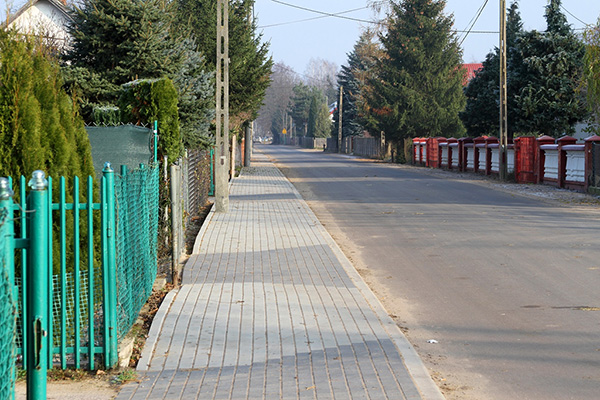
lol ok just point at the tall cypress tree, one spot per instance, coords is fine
(39, 124)
(554, 64)
(418, 90)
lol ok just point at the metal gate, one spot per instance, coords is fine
(67, 317)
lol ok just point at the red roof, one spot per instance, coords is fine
(471, 70)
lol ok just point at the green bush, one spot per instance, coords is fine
(107, 115)
(40, 127)
(146, 100)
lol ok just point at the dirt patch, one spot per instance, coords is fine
(194, 227)
(75, 385)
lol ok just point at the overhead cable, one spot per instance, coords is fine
(474, 22)
(323, 13)
(571, 14)
(313, 18)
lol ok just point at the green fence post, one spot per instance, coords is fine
(212, 172)
(6, 216)
(109, 266)
(6, 203)
(37, 317)
(155, 141)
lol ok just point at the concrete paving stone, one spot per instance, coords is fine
(256, 387)
(177, 384)
(289, 377)
(239, 389)
(192, 388)
(143, 386)
(268, 309)
(161, 385)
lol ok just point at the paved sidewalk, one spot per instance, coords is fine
(270, 308)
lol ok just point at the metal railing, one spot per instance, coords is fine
(78, 271)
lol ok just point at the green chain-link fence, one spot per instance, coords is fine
(137, 227)
(7, 315)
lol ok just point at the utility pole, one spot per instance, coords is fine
(503, 95)
(248, 147)
(222, 137)
(340, 104)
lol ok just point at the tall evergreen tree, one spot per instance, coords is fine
(369, 52)
(592, 74)
(349, 79)
(250, 65)
(114, 42)
(418, 90)
(319, 124)
(300, 107)
(39, 124)
(481, 114)
(196, 90)
(554, 64)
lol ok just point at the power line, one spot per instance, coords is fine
(340, 15)
(571, 14)
(473, 18)
(323, 13)
(474, 22)
(311, 19)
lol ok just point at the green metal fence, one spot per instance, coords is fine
(78, 272)
(137, 231)
(75, 323)
(7, 302)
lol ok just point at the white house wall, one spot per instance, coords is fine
(42, 18)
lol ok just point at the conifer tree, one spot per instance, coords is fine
(115, 42)
(300, 107)
(196, 90)
(250, 64)
(418, 90)
(592, 74)
(481, 114)
(369, 52)
(554, 64)
(348, 78)
(319, 124)
(39, 124)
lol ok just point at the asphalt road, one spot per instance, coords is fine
(507, 285)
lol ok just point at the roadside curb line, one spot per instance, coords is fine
(155, 330)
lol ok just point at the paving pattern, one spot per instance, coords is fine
(270, 308)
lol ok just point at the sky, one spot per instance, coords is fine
(332, 38)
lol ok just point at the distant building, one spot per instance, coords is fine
(471, 71)
(46, 18)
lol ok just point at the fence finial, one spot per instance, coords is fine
(38, 180)
(6, 191)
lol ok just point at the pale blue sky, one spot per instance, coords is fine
(332, 38)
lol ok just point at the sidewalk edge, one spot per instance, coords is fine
(155, 331)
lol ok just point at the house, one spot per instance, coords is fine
(47, 18)
(471, 71)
